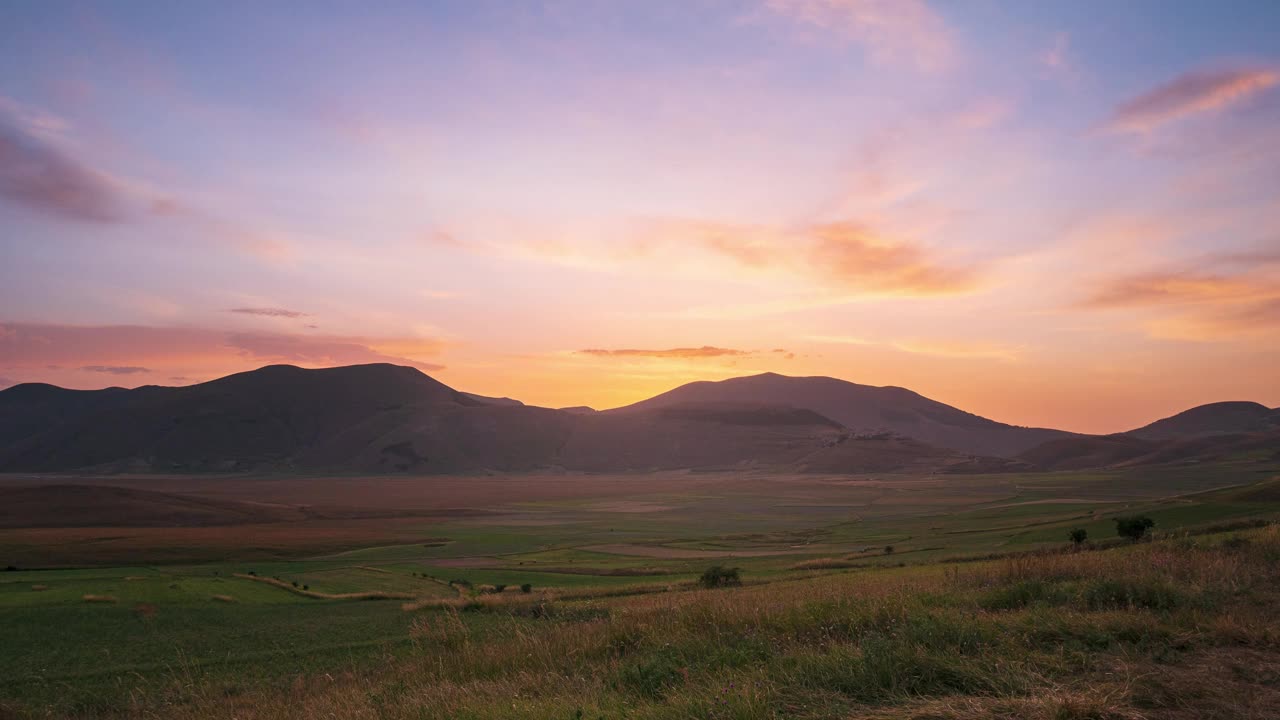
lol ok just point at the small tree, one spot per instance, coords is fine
(719, 576)
(526, 588)
(1078, 536)
(498, 588)
(1134, 527)
(888, 549)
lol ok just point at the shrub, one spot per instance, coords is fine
(888, 549)
(719, 576)
(1134, 527)
(499, 588)
(526, 588)
(1078, 536)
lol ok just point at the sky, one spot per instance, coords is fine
(1053, 214)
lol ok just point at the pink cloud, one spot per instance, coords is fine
(892, 31)
(1190, 94)
(42, 178)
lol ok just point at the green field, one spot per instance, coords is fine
(144, 638)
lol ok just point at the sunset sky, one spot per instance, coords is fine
(1065, 216)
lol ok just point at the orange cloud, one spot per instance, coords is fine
(1200, 306)
(706, 351)
(44, 350)
(893, 31)
(1189, 94)
(1168, 288)
(847, 256)
(855, 257)
(1249, 319)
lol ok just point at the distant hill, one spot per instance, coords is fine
(1212, 419)
(386, 419)
(863, 409)
(378, 418)
(1203, 433)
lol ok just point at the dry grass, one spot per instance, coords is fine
(224, 598)
(100, 599)
(38, 588)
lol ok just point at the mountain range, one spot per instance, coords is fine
(389, 419)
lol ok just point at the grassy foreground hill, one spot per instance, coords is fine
(1182, 627)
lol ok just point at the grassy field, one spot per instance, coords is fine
(827, 624)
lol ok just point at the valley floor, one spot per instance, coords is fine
(861, 597)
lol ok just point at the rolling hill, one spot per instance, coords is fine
(386, 419)
(1220, 418)
(1203, 433)
(863, 409)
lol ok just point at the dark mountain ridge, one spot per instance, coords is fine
(384, 418)
(864, 409)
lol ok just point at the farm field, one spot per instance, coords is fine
(155, 621)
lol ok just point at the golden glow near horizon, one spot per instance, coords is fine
(999, 207)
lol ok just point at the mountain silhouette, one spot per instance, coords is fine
(864, 409)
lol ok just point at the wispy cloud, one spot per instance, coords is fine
(844, 256)
(1189, 94)
(854, 256)
(135, 349)
(1165, 288)
(116, 369)
(320, 350)
(706, 351)
(269, 312)
(936, 348)
(892, 31)
(41, 177)
(1225, 296)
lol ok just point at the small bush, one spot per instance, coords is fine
(719, 576)
(1077, 536)
(499, 589)
(1134, 527)
(526, 588)
(888, 549)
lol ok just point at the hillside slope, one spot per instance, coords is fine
(1219, 418)
(389, 419)
(863, 409)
